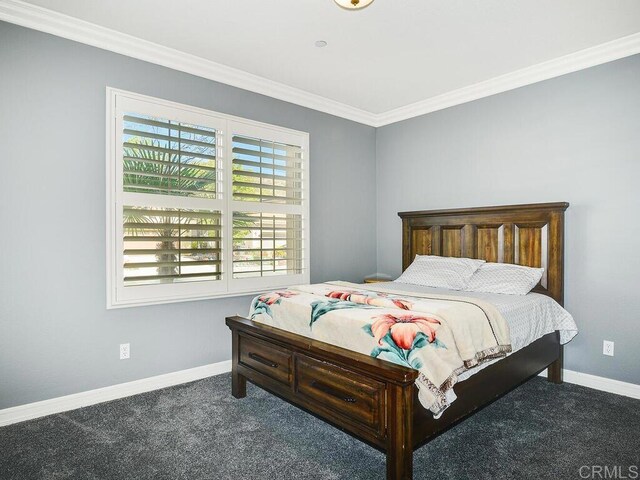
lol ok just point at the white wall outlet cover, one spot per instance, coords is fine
(125, 351)
(607, 348)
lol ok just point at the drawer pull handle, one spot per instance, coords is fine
(334, 393)
(263, 360)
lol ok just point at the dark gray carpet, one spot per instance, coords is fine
(198, 431)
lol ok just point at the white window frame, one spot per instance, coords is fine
(118, 296)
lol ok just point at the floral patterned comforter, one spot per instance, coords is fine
(439, 335)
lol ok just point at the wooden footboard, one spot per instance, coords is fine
(368, 398)
(373, 400)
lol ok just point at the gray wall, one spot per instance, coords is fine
(574, 138)
(56, 337)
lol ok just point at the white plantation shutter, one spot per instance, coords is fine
(266, 171)
(192, 215)
(162, 245)
(167, 208)
(168, 158)
(269, 206)
(169, 245)
(267, 244)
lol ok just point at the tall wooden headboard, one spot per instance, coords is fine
(531, 235)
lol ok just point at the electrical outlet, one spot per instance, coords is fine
(607, 348)
(125, 350)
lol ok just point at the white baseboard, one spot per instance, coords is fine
(113, 392)
(121, 390)
(600, 383)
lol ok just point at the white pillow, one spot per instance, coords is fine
(504, 278)
(442, 272)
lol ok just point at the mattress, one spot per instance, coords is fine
(529, 317)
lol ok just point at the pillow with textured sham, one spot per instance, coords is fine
(441, 272)
(504, 278)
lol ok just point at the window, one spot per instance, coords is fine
(201, 204)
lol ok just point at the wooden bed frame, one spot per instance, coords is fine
(376, 401)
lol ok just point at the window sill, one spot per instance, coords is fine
(162, 301)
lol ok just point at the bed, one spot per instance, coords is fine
(377, 401)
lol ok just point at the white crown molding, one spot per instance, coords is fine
(49, 21)
(55, 23)
(589, 57)
(113, 392)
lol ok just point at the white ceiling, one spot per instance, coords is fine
(391, 54)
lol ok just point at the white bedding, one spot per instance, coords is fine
(530, 316)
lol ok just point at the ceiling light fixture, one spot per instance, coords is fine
(321, 44)
(354, 4)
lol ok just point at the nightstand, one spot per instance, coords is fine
(377, 280)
